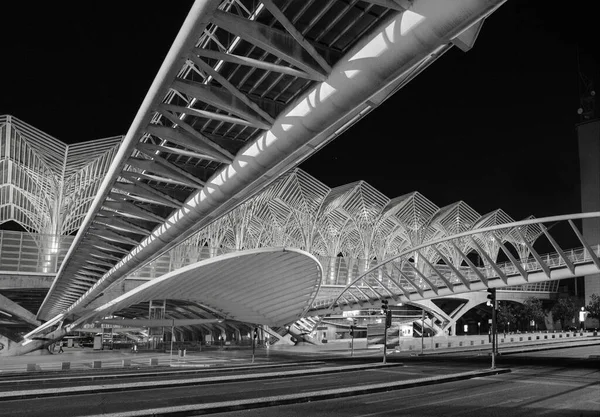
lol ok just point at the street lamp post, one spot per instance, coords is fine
(254, 336)
(352, 342)
(352, 330)
(422, 329)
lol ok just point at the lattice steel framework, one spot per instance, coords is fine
(400, 279)
(360, 225)
(46, 185)
(248, 90)
(352, 228)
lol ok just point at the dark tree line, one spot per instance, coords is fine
(511, 317)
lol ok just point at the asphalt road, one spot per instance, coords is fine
(534, 391)
(562, 382)
(112, 402)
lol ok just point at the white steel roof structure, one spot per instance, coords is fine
(349, 229)
(401, 279)
(353, 228)
(236, 286)
(354, 221)
(47, 186)
(248, 90)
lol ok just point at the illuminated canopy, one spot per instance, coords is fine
(236, 286)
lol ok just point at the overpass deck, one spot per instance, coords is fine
(247, 91)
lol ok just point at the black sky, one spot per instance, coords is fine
(494, 127)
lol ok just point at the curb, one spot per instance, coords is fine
(226, 406)
(92, 389)
(526, 349)
(31, 378)
(514, 349)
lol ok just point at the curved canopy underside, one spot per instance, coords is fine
(269, 286)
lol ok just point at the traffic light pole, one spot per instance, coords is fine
(384, 343)
(422, 330)
(254, 336)
(494, 340)
(352, 343)
(491, 296)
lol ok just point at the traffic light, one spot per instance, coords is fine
(491, 297)
(353, 326)
(388, 319)
(384, 306)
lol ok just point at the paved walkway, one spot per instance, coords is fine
(87, 358)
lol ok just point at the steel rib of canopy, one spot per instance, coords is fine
(220, 97)
(46, 185)
(400, 279)
(246, 292)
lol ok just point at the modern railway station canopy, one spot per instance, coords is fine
(247, 91)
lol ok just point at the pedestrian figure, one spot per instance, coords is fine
(582, 316)
(60, 347)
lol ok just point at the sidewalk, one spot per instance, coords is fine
(86, 359)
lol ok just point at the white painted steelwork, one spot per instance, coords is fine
(222, 119)
(47, 186)
(399, 280)
(239, 286)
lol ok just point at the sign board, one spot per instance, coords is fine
(107, 334)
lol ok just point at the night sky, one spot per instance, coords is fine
(494, 127)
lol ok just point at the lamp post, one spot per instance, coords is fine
(422, 329)
(254, 336)
(352, 329)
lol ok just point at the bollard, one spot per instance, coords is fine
(126, 363)
(66, 366)
(97, 364)
(31, 367)
(153, 361)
